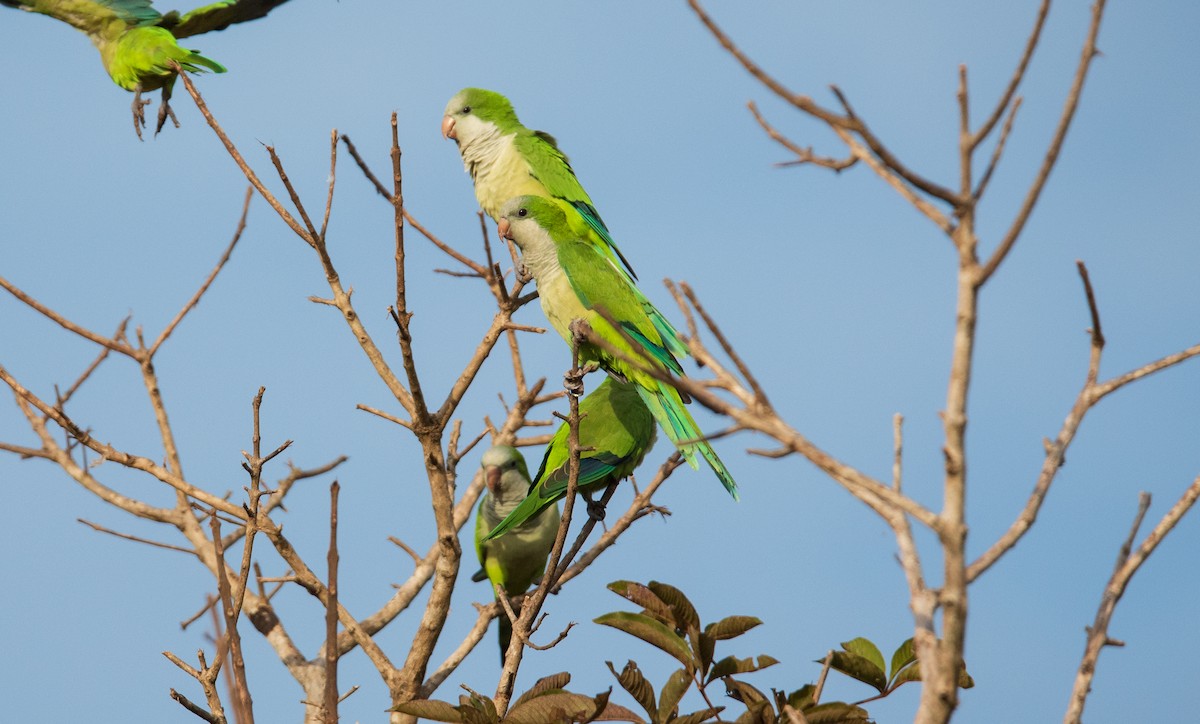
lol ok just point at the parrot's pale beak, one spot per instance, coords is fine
(448, 128)
(491, 476)
(502, 227)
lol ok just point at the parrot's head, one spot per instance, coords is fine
(473, 112)
(505, 473)
(533, 222)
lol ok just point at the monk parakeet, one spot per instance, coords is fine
(518, 559)
(506, 159)
(137, 43)
(573, 282)
(615, 424)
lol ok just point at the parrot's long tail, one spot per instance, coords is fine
(504, 629)
(194, 60)
(667, 407)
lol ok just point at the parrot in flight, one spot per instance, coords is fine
(619, 429)
(506, 160)
(137, 43)
(573, 283)
(518, 559)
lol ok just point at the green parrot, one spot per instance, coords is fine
(619, 430)
(506, 160)
(137, 43)
(519, 558)
(572, 283)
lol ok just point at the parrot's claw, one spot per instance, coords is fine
(523, 275)
(595, 508)
(573, 379)
(139, 113)
(164, 112)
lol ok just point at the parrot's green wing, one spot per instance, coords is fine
(599, 286)
(91, 16)
(549, 165)
(615, 432)
(481, 530)
(217, 16)
(581, 227)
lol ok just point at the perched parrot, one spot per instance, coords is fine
(573, 282)
(506, 160)
(519, 558)
(615, 424)
(137, 43)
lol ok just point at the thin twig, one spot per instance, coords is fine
(1088, 53)
(241, 162)
(1127, 565)
(101, 529)
(330, 702)
(191, 303)
(803, 155)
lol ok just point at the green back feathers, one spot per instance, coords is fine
(94, 17)
(616, 430)
(133, 12)
(142, 56)
(217, 16)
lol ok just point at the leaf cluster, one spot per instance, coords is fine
(669, 622)
(861, 659)
(547, 702)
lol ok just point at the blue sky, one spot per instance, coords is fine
(837, 293)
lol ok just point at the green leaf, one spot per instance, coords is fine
(698, 717)
(429, 709)
(616, 712)
(743, 692)
(913, 673)
(672, 691)
(903, 656)
(869, 651)
(478, 716)
(705, 650)
(964, 679)
(907, 674)
(631, 680)
(733, 665)
(686, 617)
(477, 708)
(760, 712)
(731, 627)
(835, 712)
(644, 597)
(554, 707)
(544, 684)
(802, 698)
(860, 668)
(652, 632)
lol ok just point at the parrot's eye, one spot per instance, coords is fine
(522, 212)
(466, 109)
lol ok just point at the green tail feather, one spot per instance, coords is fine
(674, 419)
(504, 629)
(194, 60)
